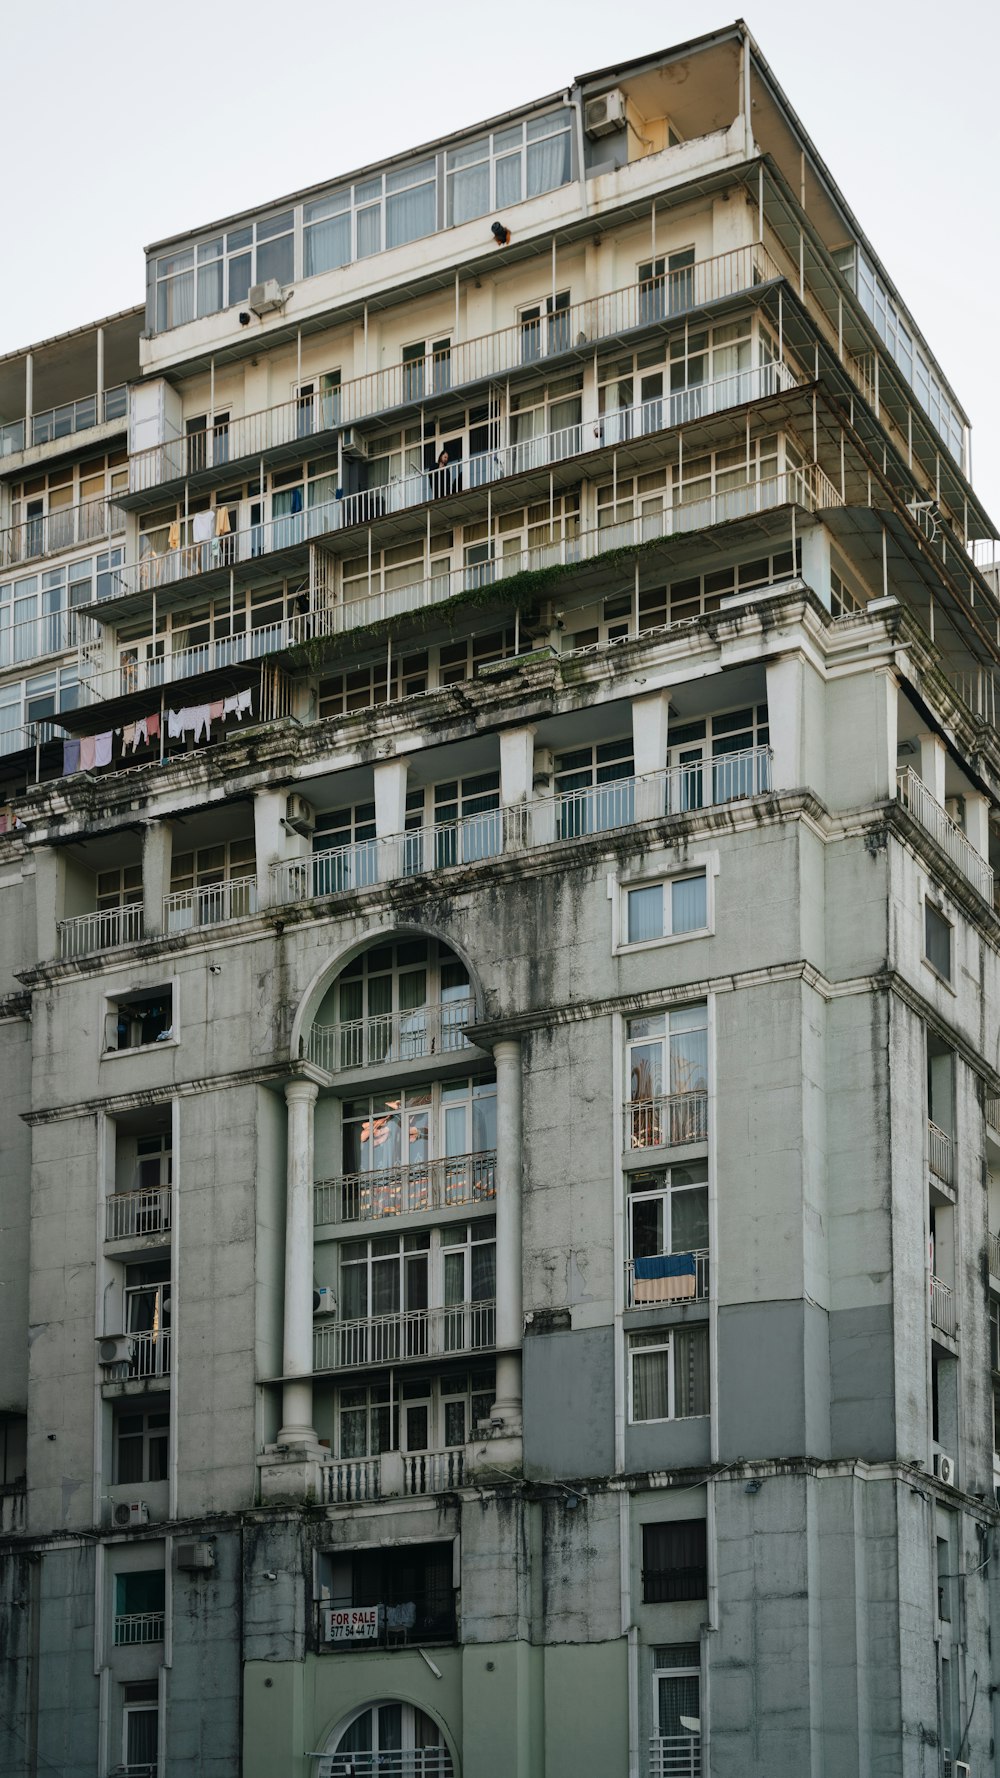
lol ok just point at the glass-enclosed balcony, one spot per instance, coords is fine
(64, 421)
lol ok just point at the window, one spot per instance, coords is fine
(523, 160)
(470, 1284)
(595, 788)
(214, 883)
(412, 1584)
(409, 1127)
(326, 233)
(666, 910)
(674, 1561)
(13, 1449)
(666, 286)
(668, 1218)
(676, 1707)
(140, 1727)
(147, 1317)
(669, 1374)
(136, 1020)
(140, 1604)
(345, 850)
(995, 1336)
(426, 369)
(545, 327)
(141, 1441)
(390, 1737)
(401, 1001)
(414, 1415)
(937, 940)
(119, 888)
(467, 1401)
(667, 1072)
(467, 819)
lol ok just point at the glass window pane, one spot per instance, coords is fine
(689, 905)
(645, 914)
(326, 245)
(274, 260)
(548, 164)
(369, 231)
(410, 214)
(469, 193)
(508, 180)
(650, 1384)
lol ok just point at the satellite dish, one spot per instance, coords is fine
(692, 1724)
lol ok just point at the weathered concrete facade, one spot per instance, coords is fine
(499, 983)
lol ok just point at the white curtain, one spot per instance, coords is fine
(410, 214)
(688, 905)
(645, 914)
(651, 1384)
(690, 1371)
(548, 164)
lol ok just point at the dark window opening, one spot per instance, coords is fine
(674, 1561)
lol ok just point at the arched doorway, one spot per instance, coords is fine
(390, 1739)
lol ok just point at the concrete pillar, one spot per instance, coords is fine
(157, 850)
(275, 844)
(517, 765)
(977, 822)
(390, 815)
(50, 899)
(816, 561)
(29, 392)
(510, 1315)
(296, 1364)
(100, 373)
(650, 718)
(933, 759)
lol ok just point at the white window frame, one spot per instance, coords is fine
(170, 985)
(641, 1344)
(705, 864)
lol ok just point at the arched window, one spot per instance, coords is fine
(391, 1739)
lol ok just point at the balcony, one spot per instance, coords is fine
(674, 1756)
(991, 1109)
(62, 422)
(135, 1627)
(667, 1278)
(389, 1037)
(138, 1213)
(349, 1480)
(292, 427)
(53, 532)
(411, 1334)
(666, 1121)
(13, 1505)
(993, 1245)
(406, 1190)
(943, 1307)
(574, 815)
(52, 633)
(917, 800)
(940, 1153)
(210, 904)
(191, 558)
(107, 929)
(148, 1356)
(421, 1762)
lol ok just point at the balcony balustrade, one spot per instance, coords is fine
(107, 929)
(993, 1244)
(142, 1212)
(420, 1762)
(62, 422)
(134, 1627)
(149, 1356)
(991, 1108)
(407, 1190)
(50, 533)
(387, 1037)
(545, 821)
(576, 330)
(917, 799)
(943, 1307)
(412, 1333)
(940, 1153)
(650, 1281)
(347, 1480)
(674, 1756)
(666, 1120)
(209, 904)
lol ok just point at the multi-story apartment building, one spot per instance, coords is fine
(500, 1001)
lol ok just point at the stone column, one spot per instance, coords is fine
(517, 760)
(650, 717)
(274, 843)
(816, 562)
(510, 1315)
(390, 816)
(933, 759)
(977, 822)
(157, 849)
(296, 1399)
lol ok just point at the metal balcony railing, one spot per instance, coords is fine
(62, 422)
(943, 1306)
(150, 1353)
(105, 930)
(466, 362)
(133, 1627)
(991, 1107)
(405, 1190)
(691, 1285)
(544, 821)
(993, 1243)
(145, 1211)
(917, 799)
(413, 1333)
(675, 1756)
(940, 1153)
(422, 1762)
(209, 904)
(390, 1037)
(51, 532)
(666, 1120)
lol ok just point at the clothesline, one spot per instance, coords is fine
(90, 751)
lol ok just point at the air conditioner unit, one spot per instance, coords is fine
(603, 116)
(115, 1349)
(196, 1557)
(265, 298)
(126, 1514)
(324, 1300)
(944, 1468)
(353, 444)
(300, 814)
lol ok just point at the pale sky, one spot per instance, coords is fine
(130, 123)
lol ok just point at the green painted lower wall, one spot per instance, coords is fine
(508, 1710)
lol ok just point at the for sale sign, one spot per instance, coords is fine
(358, 1621)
